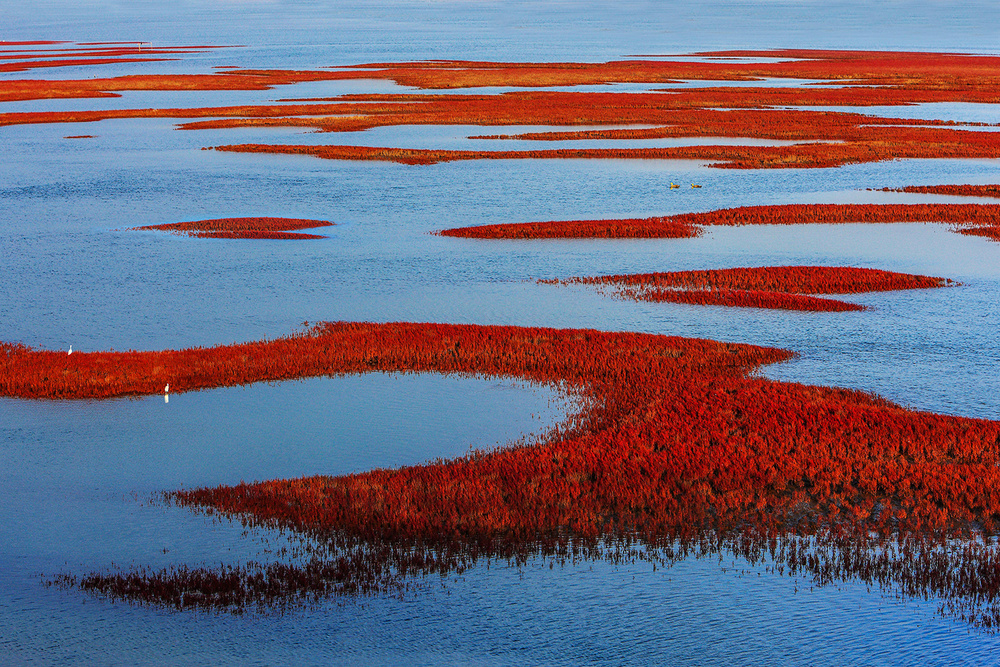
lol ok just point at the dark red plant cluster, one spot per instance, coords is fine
(781, 287)
(966, 218)
(244, 228)
(678, 445)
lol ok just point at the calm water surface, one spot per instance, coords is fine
(78, 477)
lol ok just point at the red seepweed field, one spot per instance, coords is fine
(808, 138)
(679, 446)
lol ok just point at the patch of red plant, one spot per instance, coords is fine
(967, 219)
(986, 231)
(631, 228)
(956, 190)
(986, 228)
(745, 299)
(678, 440)
(799, 156)
(243, 228)
(780, 287)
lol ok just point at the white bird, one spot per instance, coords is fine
(70, 350)
(166, 390)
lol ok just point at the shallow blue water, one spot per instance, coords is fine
(78, 476)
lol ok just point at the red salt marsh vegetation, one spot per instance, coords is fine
(881, 77)
(825, 139)
(679, 448)
(243, 228)
(800, 156)
(780, 287)
(972, 219)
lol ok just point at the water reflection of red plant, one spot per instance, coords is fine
(679, 447)
(781, 287)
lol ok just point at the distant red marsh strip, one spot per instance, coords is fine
(243, 228)
(879, 75)
(724, 156)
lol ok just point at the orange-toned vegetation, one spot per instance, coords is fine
(679, 448)
(244, 228)
(914, 71)
(781, 287)
(935, 76)
(826, 139)
(798, 156)
(966, 218)
(864, 79)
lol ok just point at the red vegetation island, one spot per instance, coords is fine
(780, 287)
(679, 448)
(974, 219)
(244, 228)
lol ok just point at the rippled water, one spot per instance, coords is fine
(78, 477)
